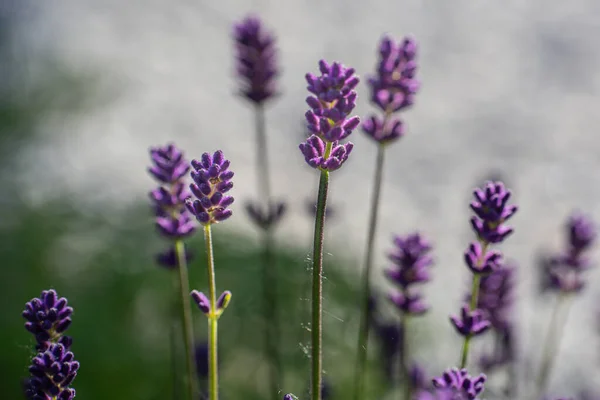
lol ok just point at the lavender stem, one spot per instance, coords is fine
(213, 377)
(317, 287)
(551, 344)
(269, 280)
(173, 340)
(473, 306)
(403, 350)
(363, 336)
(186, 319)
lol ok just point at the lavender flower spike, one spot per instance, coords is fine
(48, 317)
(52, 372)
(460, 383)
(256, 59)
(492, 210)
(470, 323)
(480, 263)
(212, 180)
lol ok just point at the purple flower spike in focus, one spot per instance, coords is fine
(392, 89)
(48, 317)
(460, 384)
(314, 150)
(256, 61)
(51, 374)
(492, 210)
(470, 323)
(481, 263)
(212, 180)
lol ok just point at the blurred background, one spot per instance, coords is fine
(509, 89)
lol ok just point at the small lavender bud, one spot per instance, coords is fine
(266, 219)
(289, 396)
(256, 62)
(223, 301)
(48, 317)
(314, 150)
(212, 179)
(470, 323)
(460, 383)
(480, 263)
(202, 301)
(492, 210)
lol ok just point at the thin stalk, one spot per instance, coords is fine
(269, 273)
(317, 287)
(173, 340)
(403, 356)
(213, 377)
(551, 343)
(186, 319)
(363, 335)
(473, 305)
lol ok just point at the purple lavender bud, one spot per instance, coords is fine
(52, 372)
(223, 301)
(411, 260)
(169, 166)
(383, 130)
(460, 383)
(256, 61)
(202, 301)
(492, 210)
(48, 317)
(314, 153)
(470, 323)
(582, 232)
(409, 303)
(289, 396)
(168, 258)
(266, 219)
(212, 180)
(480, 263)
(333, 100)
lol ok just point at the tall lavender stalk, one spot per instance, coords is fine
(174, 222)
(491, 210)
(257, 70)
(333, 99)
(564, 274)
(54, 367)
(392, 90)
(212, 180)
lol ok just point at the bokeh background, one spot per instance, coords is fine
(510, 89)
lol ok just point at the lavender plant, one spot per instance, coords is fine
(333, 99)
(174, 222)
(411, 263)
(212, 182)
(54, 367)
(564, 275)
(392, 90)
(491, 210)
(257, 69)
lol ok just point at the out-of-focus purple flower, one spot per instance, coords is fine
(325, 390)
(52, 372)
(289, 396)
(496, 296)
(268, 218)
(411, 264)
(492, 210)
(480, 263)
(256, 61)
(564, 272)
(410, 303)
(169, 165)
(389, 336)
(168, 258)
(314, 151)
(417, 378)
(212, 180)
(393, 88)
(470, 323)
(201, 357)
(311, 208)
(48, 317)
(459, 382)
(504, 350)
(332, 101)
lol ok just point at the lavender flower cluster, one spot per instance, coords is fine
(180, 209)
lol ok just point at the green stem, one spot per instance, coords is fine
(317, 286)
(473, 305)
(403, 356)
(186, 319)
(269, 272)
(213, 377)
(173, 341)
(363, 335)
(551, 344)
